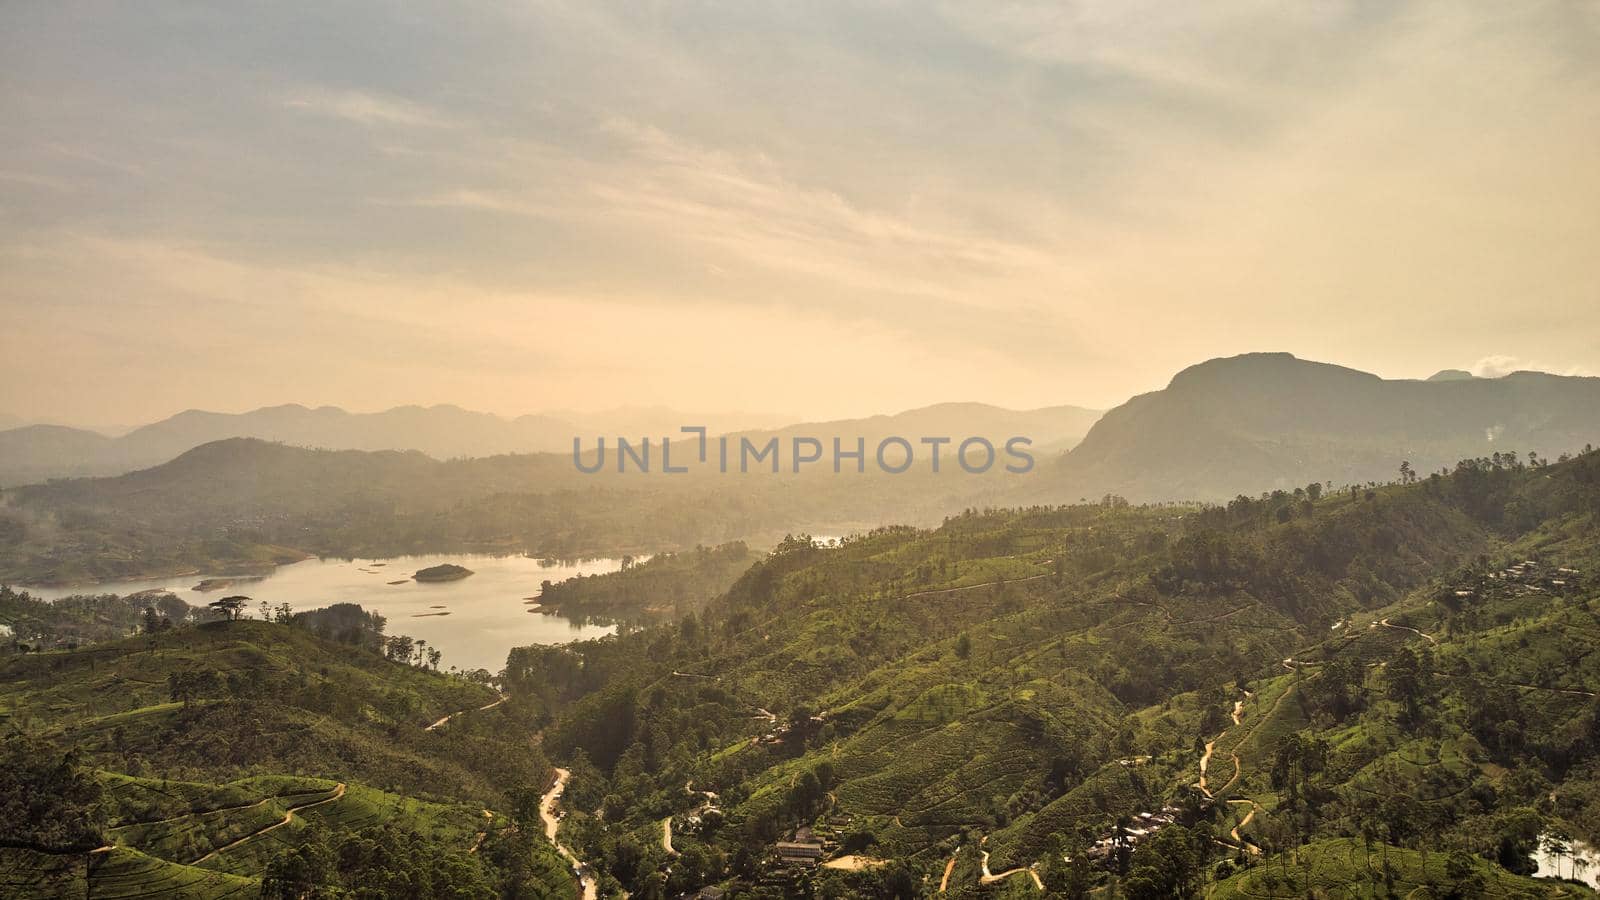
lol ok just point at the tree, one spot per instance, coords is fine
(1164, 867)
(298, 873)
(47, 799)
(1558, 844)
(399, 648)
(1408, 681)
(963, 646)
(525, 807)
(1073, 876)
(231, 608)
(1462, 875)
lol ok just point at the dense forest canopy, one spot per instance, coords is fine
(1388, 686)
(1308, 691)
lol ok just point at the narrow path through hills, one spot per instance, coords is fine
(987, 877)
(198, 812)
(484, 834)
(1517, 684)
(1387, 624)
(990, 878)
(948, 868)
(938, 592)
(1211, 746)
(666, 824)
(1237, 715)
(1254, 808)
(503, 698)
(288, 816)
(547, 813)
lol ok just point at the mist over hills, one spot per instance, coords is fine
(1265, 421)
(37, 452)
(240, 503)
(1051, 428)
(1243, 425)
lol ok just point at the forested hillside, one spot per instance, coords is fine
(1268, 421)
(1382, 692)
(244, 505)
(1222, 428)
(665, 587)
(245, 758)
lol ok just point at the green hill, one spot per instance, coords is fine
(211, 760)
(1369, 692)
(1265, 421)
(1358, 667)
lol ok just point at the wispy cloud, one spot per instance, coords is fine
(1025, 202)
(364, 108)
(1498, 365)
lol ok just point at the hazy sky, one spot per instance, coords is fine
(822, 209)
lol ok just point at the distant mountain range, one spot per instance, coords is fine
(1265, 421)
(1243, 425)
(38, 452)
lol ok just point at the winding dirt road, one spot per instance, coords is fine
(484, 834)
(1254, 808)
(989, 878)
(288, 816)
(948, 868)
(666, 824)
(1387, 624)
(503, 698)
(1237, 715)
(547, 814)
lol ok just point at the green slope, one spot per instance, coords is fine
(1021, 680)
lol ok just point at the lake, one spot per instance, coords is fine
(1581, 862)
(487, 612)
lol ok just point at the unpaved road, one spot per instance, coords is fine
(948, 868)
(988, 878)
(547, 813)
(1387, 624)
(502, 699)
(1252, 848)
(288, 816)
(1205, 761)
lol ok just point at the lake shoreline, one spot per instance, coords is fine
(266, 570)
(475, 621)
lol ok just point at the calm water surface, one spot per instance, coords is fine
(488, 614)
(1581, 862)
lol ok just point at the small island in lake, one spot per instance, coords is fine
(217, 584)
(442, 572)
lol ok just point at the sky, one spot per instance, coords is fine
(824, 209)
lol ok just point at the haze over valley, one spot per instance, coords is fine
(581, 450)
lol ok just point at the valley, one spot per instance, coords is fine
(1327, 689)
(574, 450)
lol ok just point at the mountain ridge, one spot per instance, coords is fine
(443, 431)
(1266, 421)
